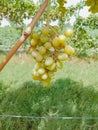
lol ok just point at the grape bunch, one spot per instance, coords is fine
(49, 49)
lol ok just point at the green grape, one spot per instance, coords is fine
(68, 32)
(41, 71)
(37, 66)
(59, 64)
(46, 83)
(52, 67)
(48, 45)
(46, 49)
(35, 36)
(35, 75)
(34, 54)
(39, 57)
(56, 42)
(62, 57)
(69, 50)
(44, 39)
(62, 39)
(33, 43)
(49, 61)
(42, 50)
(44, 76)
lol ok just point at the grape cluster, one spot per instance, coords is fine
(49, 49)
(93, 5)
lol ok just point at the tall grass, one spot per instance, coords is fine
(73, 92)
(65, 98)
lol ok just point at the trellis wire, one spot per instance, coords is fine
(50, 117)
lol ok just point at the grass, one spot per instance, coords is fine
(73, 92)
(19, 70)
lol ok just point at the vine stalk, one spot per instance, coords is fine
(25, 35)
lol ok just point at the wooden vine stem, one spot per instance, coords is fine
(25, 35)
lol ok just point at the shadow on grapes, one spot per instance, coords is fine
(65, 97)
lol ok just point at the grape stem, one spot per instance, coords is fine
(25, 35)
(48, 13)
(54, 30)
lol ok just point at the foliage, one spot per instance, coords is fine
(90, 22)
(83, 39)
(85, 35)
(16, 11)
(9, 35)
(93, 4)
(61, 8)
(74, 10)
(65, 98)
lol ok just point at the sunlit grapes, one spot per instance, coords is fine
(49, 49)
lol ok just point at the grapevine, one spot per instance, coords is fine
(93, 4)
(61, 7)
(49, 49)
(15, 10)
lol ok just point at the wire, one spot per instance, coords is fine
(50, 117)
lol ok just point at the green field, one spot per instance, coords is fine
(73, 92)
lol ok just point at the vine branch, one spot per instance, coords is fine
(25, 35)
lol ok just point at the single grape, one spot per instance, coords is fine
(41, 71)
(55, 42)
(49, 61)
(35, 75)
(44, 76)
(44, 39)
(59, 64)
(68, 32)
(52, 67)
(37, 66)
(33, 43)
(62, 57)
(48, 45)
(69, 50)
(46, 83)
(42, 50)
(35, 36)
(39, 58)
(62, 39)
(34, 54)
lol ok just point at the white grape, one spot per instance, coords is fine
(41, 71)
(62, 57)
(49, 61)
(44, 76)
